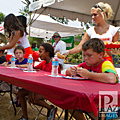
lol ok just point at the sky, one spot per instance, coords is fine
(11, 6)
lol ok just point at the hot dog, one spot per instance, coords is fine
(60, 56)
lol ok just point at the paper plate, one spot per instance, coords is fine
(12, 67)
(29, 71)
(54, 76)
(76, 78)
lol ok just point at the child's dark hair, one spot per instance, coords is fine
(48, 48)
(19, 48)
(96, 44)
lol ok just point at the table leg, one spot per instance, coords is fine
(66, 115)
(12, 99)
(10, 91)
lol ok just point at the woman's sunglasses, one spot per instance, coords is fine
(97, 6)
(55, 36)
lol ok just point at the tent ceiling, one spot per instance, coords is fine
(49, 24)
(73, 9)
(44, 26)
(46, 34)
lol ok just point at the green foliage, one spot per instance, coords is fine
(61, 20)
(116, 58)
(24, 11)
(77, 38)
(74, 58)
(36, 40)
(2, 16)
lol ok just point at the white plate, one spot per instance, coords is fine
(12, 67)
(29, 71)
(76, 78)
(54, 76)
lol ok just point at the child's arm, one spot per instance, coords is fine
(5, 64)
(100, 77)
(22, 66)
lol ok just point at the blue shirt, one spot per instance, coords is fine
(20, 63)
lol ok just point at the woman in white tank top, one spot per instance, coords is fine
(100, 13)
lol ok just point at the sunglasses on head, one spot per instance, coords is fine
(97, 6)
(55, 36)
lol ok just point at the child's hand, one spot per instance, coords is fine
(83, 72)
(73, 71)
(9, 65)
(19, 66)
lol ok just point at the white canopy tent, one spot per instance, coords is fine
(40, 33)
(44, 27)
(74, 9)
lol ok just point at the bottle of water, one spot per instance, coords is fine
(13, 61)
(30, 63)
(54, 66)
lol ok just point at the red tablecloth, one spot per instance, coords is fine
(65, 93)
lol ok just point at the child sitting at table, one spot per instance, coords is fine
(46, 52)
(19, 53)
(2, 57)
(95, 67)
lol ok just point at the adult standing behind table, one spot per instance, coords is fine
(17, 34)
(59, 46)
(100, 13)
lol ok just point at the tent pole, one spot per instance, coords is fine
(29, 24)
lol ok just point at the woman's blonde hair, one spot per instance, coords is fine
(104, 7)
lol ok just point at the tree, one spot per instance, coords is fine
(61, 20)
(2, 16)
(25, 11)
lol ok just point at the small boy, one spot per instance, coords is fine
(19, 53)
(94, 68)
(2, 57)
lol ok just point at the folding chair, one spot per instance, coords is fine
(59, 115)
(87, 115)
(15, 99)
(3, 92)
(35, 107)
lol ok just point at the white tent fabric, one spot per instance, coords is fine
(44, 27)
(40, 33)
(73, 9)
